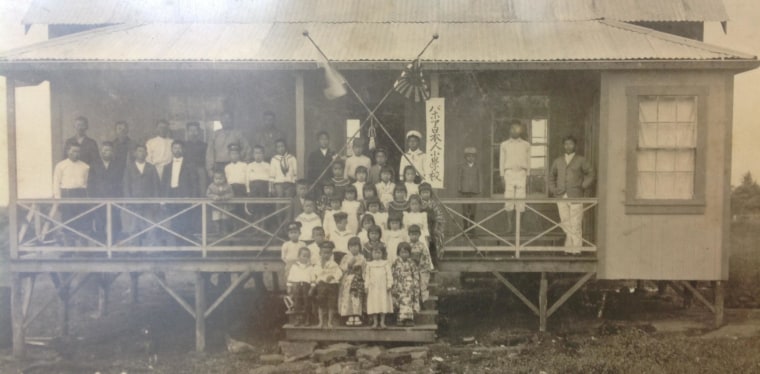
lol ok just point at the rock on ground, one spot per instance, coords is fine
(296, 350)
(330, 355)
(369, 353)
(271, 359)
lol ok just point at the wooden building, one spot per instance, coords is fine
(648, 100)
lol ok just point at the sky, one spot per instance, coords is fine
(33, 113)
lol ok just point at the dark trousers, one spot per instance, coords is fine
(301, 299)
(286, 189)
(260, 189)
(468, 210)
(238, 191)
(82, 224)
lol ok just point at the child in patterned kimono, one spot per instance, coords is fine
(421, 258)
(436, 217)
(351, 293)
(417, 216)
(374, 234)
(378, 281)
(394, 235)
(406, 287)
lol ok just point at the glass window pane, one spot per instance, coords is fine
(686, 109)
(648, 136)
(646, 160)
(666, 135)
(538, 128)
(665, 185)
(648, 109)
(537, 163)
(645, 188)
(538, 150)
(684, 186)
(666, 109)
(684, 161)
(686, 135)
(666, 161)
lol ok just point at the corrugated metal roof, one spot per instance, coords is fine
(459, 42)
(96, 12)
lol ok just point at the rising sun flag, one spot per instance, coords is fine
(412, 83)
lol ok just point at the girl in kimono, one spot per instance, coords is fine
(378, 282)
(400, 204)
(394, 235)
(406, 286)
(351, 293)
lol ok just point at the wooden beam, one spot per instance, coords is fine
(569, 293)
(232, 287)
(719, 298)
(212, 265)
(300, 124)
(184, 304)
(10, 110)
(543, 289)
(200, 309)
(17, 315)
(29, 286)
(517, 293)
(698, 295)
(523, 265)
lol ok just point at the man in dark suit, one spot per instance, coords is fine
(320, 160)
(105, 181)
(88, 147)
(570, 177)
(180, 180)
(140, 181)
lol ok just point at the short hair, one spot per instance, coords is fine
(355, 241)
(570, 138)
(121, 122)
(399, 187)
(381, 150)
(425, 186)
(403, 246)
(515, 122)
(82, 119)
(367, 217)
(72, 145)
(340, 216)
(318, 228)
(375, 228)
(106, 143)
(387, 169)
(218, 172)
(410, 167)
(193, 124)
(258, 147)
(180, 142)
(361, 169)
(304, 249)
(338, 162)
(395, 218)
(414, 228)
(323, 133)
(327, 184)
(281, 140)
(369, 187)
(373, 200)
(350, 188)
(416, 198)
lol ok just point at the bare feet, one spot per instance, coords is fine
(320, 325)
(383, 326)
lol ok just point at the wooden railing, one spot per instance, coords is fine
(496, 229)
(116, 226)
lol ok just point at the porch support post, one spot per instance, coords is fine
(10, 98)
(17, 315)
(134, 286)
(542, 302)
(300, 125)
(200, 311)
(719, 296)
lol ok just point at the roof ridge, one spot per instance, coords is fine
(676, 39)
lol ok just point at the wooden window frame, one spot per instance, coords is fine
(695, 205)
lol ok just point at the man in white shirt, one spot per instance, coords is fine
(70, 178)
(514, 167)
(413, 154)
(160, 147)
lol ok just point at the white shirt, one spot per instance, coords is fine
(419, 160)
(514, 154)
(258, 171)
(236, 173)
(68, 175)
(300, 273)
(569, 157)
(159, 152)
(308, 223)
(176, 166)
(276, 171)
(140, 166)
(353, 162)
(340, 239)
(359, 190)
(290, 251)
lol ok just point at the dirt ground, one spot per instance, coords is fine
(482, 328)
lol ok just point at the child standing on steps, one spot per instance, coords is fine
(291, 249)
(299, 284)
(374, 233)
(325, 284)
(351, 293)
(422, 259)
(406, 287)
(378, 282)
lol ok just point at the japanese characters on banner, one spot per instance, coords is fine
(434, 116)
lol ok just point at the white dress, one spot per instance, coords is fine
(420, 219)
(378, 281)
(352, 209)
(392, 238)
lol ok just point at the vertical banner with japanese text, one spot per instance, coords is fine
(434, 116)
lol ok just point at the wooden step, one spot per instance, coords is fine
(417, 333)
(426, 317)
(431, 303)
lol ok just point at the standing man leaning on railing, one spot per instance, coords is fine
(70, 181)
(571, 175)
(514, 167)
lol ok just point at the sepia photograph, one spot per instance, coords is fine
(379, 186)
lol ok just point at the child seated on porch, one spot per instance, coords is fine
(417, 216)
(291, 247)
(325, 280)
(220, 190)
(400, 204)
(406, 288)
(361, 181)
(374, 236)
(366, 222)
(340, 235)
(385, 186)
(339, 180)
(352, 207)
(394, 235)
(308, 219)
(378, 280)
(351, 292)
(421, 258)
(299, 284)
(410, 177)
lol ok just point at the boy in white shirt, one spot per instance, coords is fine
(309, 220)
(258, 173)
(284, 171)
(236, 173)
(290, 248)
(299, 284)
(340, 235)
